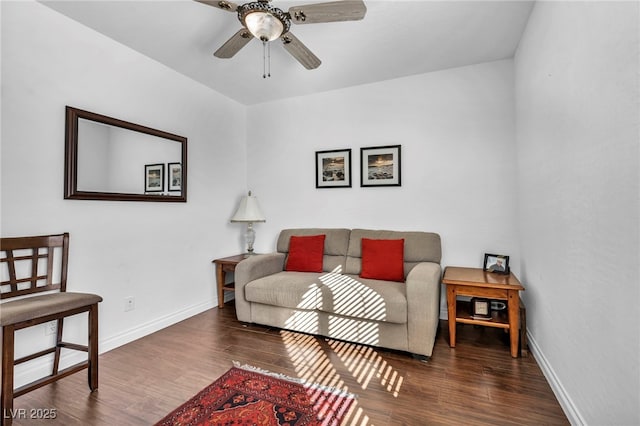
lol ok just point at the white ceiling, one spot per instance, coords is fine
(395, 39)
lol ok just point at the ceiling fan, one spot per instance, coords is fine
(267, 23)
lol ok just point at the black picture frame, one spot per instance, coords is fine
(154, 178)
(174, 177)
(480, 308)
(380, 166)
(496, 263)
(333, 168)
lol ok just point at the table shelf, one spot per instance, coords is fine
(499, 319)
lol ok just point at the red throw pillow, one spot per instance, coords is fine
(383, 259)
(305, 253)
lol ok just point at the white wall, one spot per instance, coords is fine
(456, 128)
(568, 189)
(94, 161)
(577, 124)
(160, 253)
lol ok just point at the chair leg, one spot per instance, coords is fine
(56, 358)
(7, 375)
(93, 347)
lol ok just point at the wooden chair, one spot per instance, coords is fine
(31, 265)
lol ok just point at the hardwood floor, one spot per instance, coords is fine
(477, 383)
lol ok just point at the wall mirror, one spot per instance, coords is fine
(111, 159)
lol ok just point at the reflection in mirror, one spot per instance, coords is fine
(112, 159)
(109, 159)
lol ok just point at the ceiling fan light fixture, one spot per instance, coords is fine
(264, 26)
(264, 21)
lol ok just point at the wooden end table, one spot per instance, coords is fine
(224, 265)
(476, 282)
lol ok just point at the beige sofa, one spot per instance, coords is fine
(337, 303)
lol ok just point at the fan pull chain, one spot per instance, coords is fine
(269, 59)
(266, 59)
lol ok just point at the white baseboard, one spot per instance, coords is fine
(41, 367)
(152, 326)
(569, 408)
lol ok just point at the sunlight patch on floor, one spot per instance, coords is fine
(314, 366)
(364, 363)
(313, 362)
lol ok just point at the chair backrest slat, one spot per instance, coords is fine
(19, 272)
(12, 270)
(34, 267)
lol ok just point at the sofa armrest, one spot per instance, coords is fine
(423, 306)
(252, 268)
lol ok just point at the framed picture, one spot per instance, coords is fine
(333, 169)
(480, 308)
(174, 176)
(380, 166)
(497, 263)
(154, 178)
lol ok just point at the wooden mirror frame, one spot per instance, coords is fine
(71, 159)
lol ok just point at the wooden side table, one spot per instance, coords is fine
(224, 265)
(476, 282)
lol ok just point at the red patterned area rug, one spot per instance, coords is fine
(250, 396)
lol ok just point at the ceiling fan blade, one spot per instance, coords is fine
(234, 44)
(220, 4)
(347, 10)
(299, 51)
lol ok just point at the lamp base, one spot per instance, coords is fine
(250, 236)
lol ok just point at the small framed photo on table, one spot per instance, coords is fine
(498, 263)
(480, 308)
(333, 169)
(154, 178)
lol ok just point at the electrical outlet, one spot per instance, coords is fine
(129, 303)
(50, 328)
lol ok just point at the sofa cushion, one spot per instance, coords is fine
(418, 247)
(383, 259)
(286, 289)
(339, 294)
(362, 298)
(335, 245)
(305, 253)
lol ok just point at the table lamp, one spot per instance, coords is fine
(249, 212)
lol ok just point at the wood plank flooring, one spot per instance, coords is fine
(477, 383)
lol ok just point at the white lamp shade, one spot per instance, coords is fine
(264, 26)
(248, 210)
